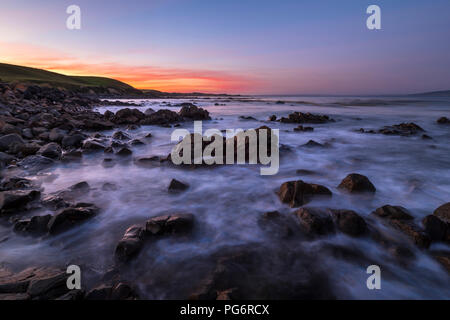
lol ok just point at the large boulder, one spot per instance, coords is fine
(357, 183)
(298, 193)
(162, 117)
(131, 243)
(128, 116)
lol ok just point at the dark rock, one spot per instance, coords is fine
(131, 243)
(149, 111)
(393, 212)
(418, 236)
(75, 140)
(443, 212)
(10, 141)
(119, 135)
(276, 225)
(192, 112)
(176, 185)
(303, 129)
(108, 186)
(11, 201)
(313, 144)
(74, 155)
(72, 216)
(36, 225)
(93, 145)
(119, 291)
(300, 117)
(136, 142)
(298, 193)
(56, 135)
(443, 120)
(128, 116)
(426, 137)
(124, 152)
(51, 150)
(357, 183)
(349, 222)
(403, 129)
(162, 117)
(437, 229)
(315, 221)
(170, 224)
(273, 118)
(247, 118)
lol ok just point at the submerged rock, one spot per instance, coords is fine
(69, 217)
(315, 221)
(10, 201)
(176, 185)
(300, 117)
(298, 193)
(438, 229)
(349, 222)
(357, 183)
(443, 120)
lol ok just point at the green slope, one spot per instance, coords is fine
(11, 73)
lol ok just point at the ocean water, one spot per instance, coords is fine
(227, 201)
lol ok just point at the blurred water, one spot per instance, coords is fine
(227, 201)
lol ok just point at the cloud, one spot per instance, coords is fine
(139, 76)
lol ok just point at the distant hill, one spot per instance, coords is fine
(99, 85)
(445, 93)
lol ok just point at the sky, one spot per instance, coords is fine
(243, 46)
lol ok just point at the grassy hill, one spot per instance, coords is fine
(17, 74)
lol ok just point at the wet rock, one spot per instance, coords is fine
(148, 161)
(443, 212)
(128, 116)
(312, 144)
(36, 225)
(170, 224)
(75, 141)
(300, 117)
(303, 129)
(124, 152)
(273, 118)
(5, 159)
(92, 145)
(119, 291)
(131, 243)
(247, 118)
(108, 163)
(34, 283)
(56, 135)
(162, 117)
(357, 183)
(443, 120)
(10, 141)
(426, 137)
(349, 222)
(315, 221)
(119, 135)
(276, 225)
(51, 150)
(74, 155)
(393, 212)
(437, 229)
(298, 193)
(10, 201)
(176, 185)
(70, 217)
(108, 186)
(136, 142)
(192, 112)
(403, 129)
(15, 183)
(149, 111)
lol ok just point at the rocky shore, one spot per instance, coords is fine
(42, 127)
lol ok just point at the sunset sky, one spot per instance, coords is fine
(243, 46)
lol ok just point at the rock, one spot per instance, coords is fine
(128, 116)
(315, 221)
(192, 112)
(56, 135)
(403, 129)
(124, 152)
(176, 185)
(443, 120)
(75, 140)
(108, 163)
(162, 117)
(108, 186)
(298, 193)
(120, 291)
(149, 111)
(247, 118)
(136, 142)
(34, 283)
(131, 243)
(418, 236)
(5, 159)
(312, 144)
(10, 141)
(443, 212)
(349, 222)
(300, 117)
(426, 137)
(303, 129)
(92, 145)
(437, 229)
(273, 118)
(69, 217)
(119, 135)
(393, 212)
(170, 224)
(51, 150)
(15, 183)
(37, 225)
(72, 156)
(276, 225)
(357, 183)
(148, 161)
(10, 201)
(27, 133)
